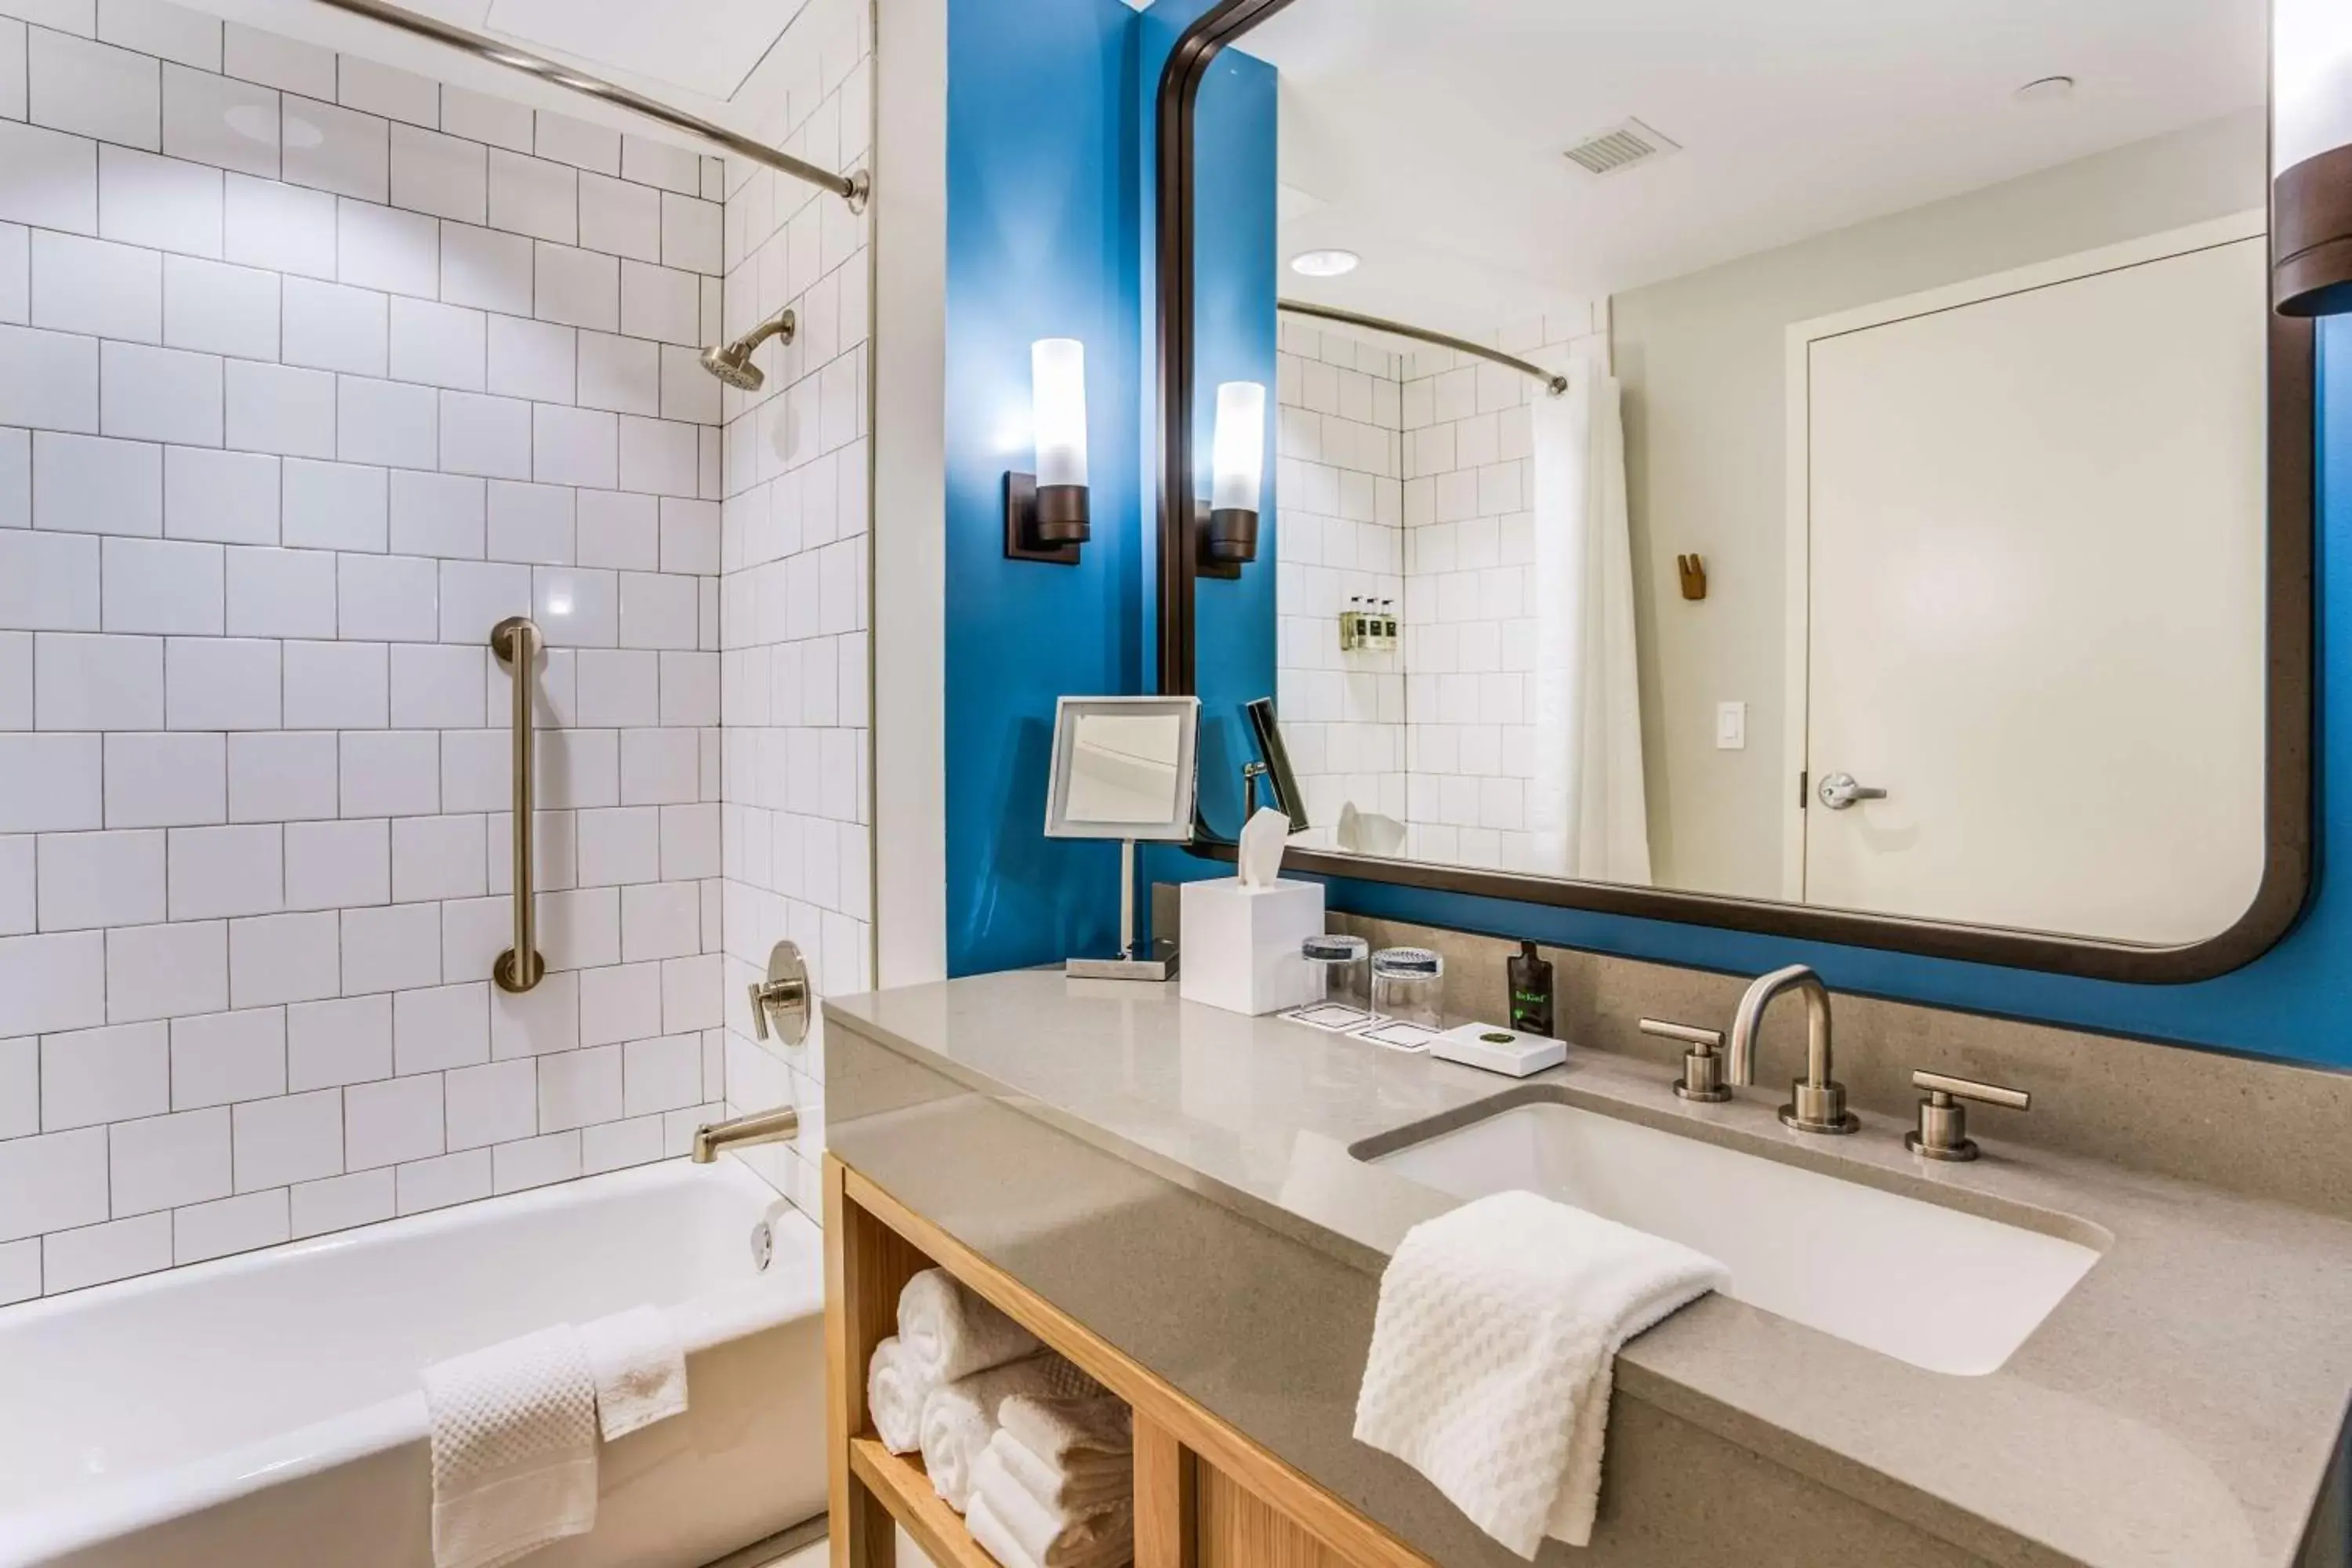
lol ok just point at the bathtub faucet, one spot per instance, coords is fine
(762, 1127)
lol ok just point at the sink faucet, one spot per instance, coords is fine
(1816, 1103)
(763, 1127)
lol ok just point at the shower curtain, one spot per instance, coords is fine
(1586, 806)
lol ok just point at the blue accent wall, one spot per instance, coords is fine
(1049, 234)
(1042, 226)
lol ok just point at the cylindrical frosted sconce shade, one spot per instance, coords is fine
(1057, 391)
(1236, 480)
(2311, 145)
(1238, 455)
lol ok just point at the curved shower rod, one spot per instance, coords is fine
(1553, 383)
(851, 188)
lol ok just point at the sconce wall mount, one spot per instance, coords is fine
(1044, 523)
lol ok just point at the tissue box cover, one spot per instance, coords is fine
(1241, 944)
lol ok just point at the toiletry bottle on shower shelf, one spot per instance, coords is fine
(1531, 994)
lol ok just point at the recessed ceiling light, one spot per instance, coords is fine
(2046, 90)
(1325, 263)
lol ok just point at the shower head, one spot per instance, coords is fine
(733, 365)
(732, 362)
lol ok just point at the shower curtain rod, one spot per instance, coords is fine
(851, 188)
(1555, 384)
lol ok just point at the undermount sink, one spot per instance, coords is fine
(1950, 1291)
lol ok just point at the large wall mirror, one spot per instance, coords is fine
(1832, 471)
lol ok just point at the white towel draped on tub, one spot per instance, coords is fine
(514, 1448)
(1493, 1349)
(639, 1368)
(948, 1333)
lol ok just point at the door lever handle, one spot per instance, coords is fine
(1839, 791)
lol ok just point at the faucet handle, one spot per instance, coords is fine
(1702, 1079)
(780, 1004)
(1943, 1131)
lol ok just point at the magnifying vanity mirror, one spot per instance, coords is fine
(1123, 769)
(1833, 472)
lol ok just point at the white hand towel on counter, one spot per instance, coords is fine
(1492, 1350)
(951, 1334)
(894, 1394)
(1067, 1429)
(514, 1448)
(961, 1416)
(1086, 1482)
(639, 1368)
(1051, 1538)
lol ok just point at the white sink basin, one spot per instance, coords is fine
(1949, 1291)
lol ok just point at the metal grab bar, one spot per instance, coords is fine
(517, 642)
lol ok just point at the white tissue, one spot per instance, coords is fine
(1264, 836)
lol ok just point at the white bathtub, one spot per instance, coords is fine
(264, 1411)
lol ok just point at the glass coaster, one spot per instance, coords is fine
(1398, 1034)
(1333, 1018)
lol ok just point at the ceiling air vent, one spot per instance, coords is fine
(1619, 148)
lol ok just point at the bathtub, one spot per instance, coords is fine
(264, 1411)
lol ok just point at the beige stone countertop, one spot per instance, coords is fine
(2180, 1406)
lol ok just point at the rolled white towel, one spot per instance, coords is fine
(961, 1416)
(1052, 1538)
(1086, 1482)
(1064, 1430)
(895, 1393)
(995, 1539)
(953, 1333)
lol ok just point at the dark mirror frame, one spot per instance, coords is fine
(2289, 680)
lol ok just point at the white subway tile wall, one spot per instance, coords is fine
(1407, 476)
(309, 372)
(1339, 539)
(1471, 605)
(796, 841)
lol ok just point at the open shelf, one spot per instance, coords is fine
(904, 1488)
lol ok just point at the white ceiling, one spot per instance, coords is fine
(706, 47)
(1427, 135)
(690, 54)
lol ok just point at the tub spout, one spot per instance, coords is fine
(763, 1127)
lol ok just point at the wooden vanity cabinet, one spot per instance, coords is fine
(1205, 1496)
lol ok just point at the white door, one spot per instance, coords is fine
(2034, 569)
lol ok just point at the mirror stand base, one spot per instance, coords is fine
(1161, 965)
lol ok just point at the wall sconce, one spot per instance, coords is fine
(2311, 151)
(1227, 525)
(1046, 512)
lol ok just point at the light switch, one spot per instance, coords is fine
(1731, 726)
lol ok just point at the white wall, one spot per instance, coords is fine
(1702, 361)
(797, 670)
(287, 422)
(910, 221)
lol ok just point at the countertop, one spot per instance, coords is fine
(2183, 1404)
